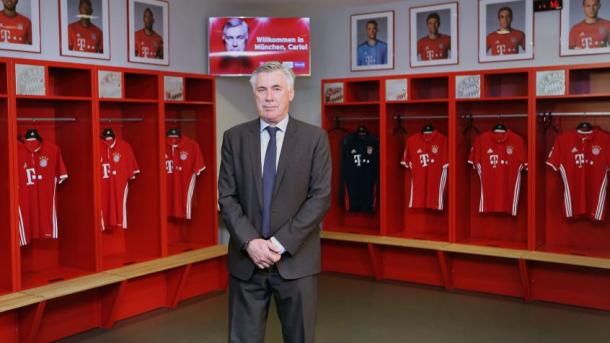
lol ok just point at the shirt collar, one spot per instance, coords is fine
(282, 125)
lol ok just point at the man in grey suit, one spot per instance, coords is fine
(274, 187)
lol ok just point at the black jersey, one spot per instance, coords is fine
(360, 172)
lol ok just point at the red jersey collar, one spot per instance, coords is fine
(586, 136)
(500, 137)
(33, 145)
(428, 137)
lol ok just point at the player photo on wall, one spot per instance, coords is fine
(20, 25)
(84, 28)
(506, 30)
(585, 27)
(372, 41)
(148, 31)
(434, 39)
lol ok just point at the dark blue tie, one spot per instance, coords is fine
(269, 180)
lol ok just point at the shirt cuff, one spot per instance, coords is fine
(279, 245)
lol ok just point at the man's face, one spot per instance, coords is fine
(235, 38)
(591, 8)
(85, 8)
(433, 25)
(505, 19)
(371, 31)
(149, 20)
(10, 4)
(273, 96)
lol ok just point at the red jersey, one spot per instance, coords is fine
(588, 36)
(583, 160)
(499, 158)
(149, 46)
(118, 167)
(41, 168)
(16, 30)
(426, 156)
(505, 43)
(434, 49)
(183, 163)
(86, 39)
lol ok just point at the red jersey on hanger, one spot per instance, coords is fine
(41, 169)
(119, 165)
(499, 158)
(583, 160)
(425, 155)
(183, 163)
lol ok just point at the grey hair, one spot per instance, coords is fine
(269, 67)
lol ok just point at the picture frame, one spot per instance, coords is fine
(396, 89)
(20, 31)
(506, 30)
(576, 34)
(84, 30)
(173, 88)
(372, 41)
(551, 82)
(333, 93)
(434, 35)
(110, 84)
(468, 86)
(30, 79)
(148, 26)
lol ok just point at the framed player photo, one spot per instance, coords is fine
(506, 30)
(84, 28)
(20, 25)
(434, 35)
(148, 31)
(372, 41)
(585, 28)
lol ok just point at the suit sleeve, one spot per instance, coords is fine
(240, 227)
(313, 209)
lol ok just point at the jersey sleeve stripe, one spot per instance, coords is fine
(441, 190)
(125, 206)
(200, 171)
(55, 230)
(22, 238)
(189, 196)
(411, 194)
(551, 165)
(566, 193)
(480, 172)
(517, 191)
(601, 201)
(62, 178)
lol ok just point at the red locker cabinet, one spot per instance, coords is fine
(537, 254)
(193, 115)
(349, 106)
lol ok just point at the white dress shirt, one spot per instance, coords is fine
(279, 139)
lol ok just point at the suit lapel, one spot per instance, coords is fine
(286, 154)
(254, 152)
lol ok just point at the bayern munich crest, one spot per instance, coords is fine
(596, 150)
(369, 150)
(44, 162)
(435, 149)
(116, 157)
(184, 155)
(509, 150)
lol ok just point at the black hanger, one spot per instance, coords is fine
(173, 132)
(584, 127)
(427, 129)
(499, 128)
(470, 125)
(361, 131)
(548, 119)
(108, 133)
(338, 126)
(33, 134)
(399, 129)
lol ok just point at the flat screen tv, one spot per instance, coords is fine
(238, 45)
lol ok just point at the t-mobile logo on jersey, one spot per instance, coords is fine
(430, 54)
(81, 43)
(501, 49)
(5, 35)
(579, 159)
(493, 160)
(107, 171)
(31, 175)
(145, 51)
(169, 166)
(587, 42)
(424, 159)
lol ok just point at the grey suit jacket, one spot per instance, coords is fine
(301, 196)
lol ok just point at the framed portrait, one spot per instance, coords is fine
(84, 28)
(148, 31)
(396, 89)
(434, 35)
(20, 25)
(584, 27)
(110, 84)
(30, 79)
(506, 30)
(173, 88)
(333, 93)
(372, 41)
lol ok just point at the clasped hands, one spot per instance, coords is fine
(264, 253)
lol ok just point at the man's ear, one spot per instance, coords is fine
(291, 94)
